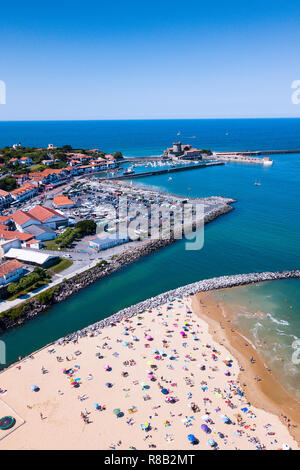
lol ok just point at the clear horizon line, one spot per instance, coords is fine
(149, 119)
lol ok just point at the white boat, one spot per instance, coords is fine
(129, 171)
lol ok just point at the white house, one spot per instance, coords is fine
(26, 161)
(10, 271)
(26, 191)
(5, 199)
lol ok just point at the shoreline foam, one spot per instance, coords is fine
(266, 393)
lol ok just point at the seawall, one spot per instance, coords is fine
(205, 285)
(16, 316)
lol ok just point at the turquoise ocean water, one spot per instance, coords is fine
(262, 233)
(268, 314)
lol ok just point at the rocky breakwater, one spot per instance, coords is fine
(222, 282)
(16, 316)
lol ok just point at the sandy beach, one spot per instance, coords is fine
(157, 380)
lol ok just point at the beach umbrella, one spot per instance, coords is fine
(34, 388)
(149, 338)
(225, 419)
(145, 426)
(107, 367)
(125, 343)
(96, 405)
(211, 443)
(108, 384)
(191, 438)
(205, 428)
(116, 411)
(155, 351)
(164, 391)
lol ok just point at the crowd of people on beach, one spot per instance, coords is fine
(161, 375)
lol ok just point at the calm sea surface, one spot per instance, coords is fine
(262, 233)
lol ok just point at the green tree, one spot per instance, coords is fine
(118, 155)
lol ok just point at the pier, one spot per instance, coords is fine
(250, 153)
(165, 170)
(240, 158)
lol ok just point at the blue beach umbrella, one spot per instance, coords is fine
(164, 391)
(205, 428)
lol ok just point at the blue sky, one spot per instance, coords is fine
(141, 59)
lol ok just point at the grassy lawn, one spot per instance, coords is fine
(28, 290)
(51, 245)
(63, 264)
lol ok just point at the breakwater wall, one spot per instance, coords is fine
(205, 285)
(260, 152)
(16, 316)
(165, 170)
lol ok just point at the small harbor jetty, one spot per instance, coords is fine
(164, 170)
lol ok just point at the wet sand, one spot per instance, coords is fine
(267, 393)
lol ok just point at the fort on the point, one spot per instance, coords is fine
(183, 151)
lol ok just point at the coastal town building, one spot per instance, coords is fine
(63, 202)
(11, 235)
(26, 161)
(10, 271)
(25, 192)
(5, 199)
(6, 245)
(22, 220)
(48, 216)
(5, 220)
(41, 232)
(36, 258)
(104, 241)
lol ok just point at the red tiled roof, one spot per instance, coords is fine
(3, 193)
(62, 201)
(43, 214)
(10, 235)
(20, 217)
(23, 189)
(4, 218)
(9, 267)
